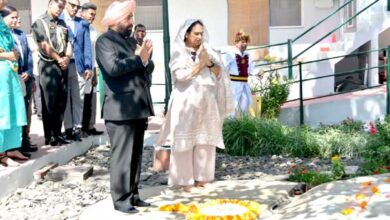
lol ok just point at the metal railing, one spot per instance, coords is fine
(301, 80)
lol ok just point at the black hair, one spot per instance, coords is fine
(88, 5)
(139, 26)
(189, 29)
(7, 10)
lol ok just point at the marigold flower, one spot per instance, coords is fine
(368, 183)
(376, 172)
(360, 196)
(374, 189)
(347, 211)
(335, 158)
(363, 204)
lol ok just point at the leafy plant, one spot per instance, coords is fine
(338, 171)
(310, 177)
(274, 92)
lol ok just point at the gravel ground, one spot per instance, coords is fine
(66, 199)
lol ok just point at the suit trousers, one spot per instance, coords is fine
(89, 111)
(197, 164)
(27, 104)
(37, 98)
(78, 86)
(127, 139)
(53, 84)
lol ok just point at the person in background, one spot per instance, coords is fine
(13, 112)
(139, 36)
(193, 125)
(240, 65)
(88, 12)
(127, 103)
(80, 70)
(51, 35)
(25, 71)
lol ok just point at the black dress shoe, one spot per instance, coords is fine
(68, 134)
(28, 149)
(140, 203)
(77, 136)
(62, 140)
(93, 131)
(53, 141)
(129, 210)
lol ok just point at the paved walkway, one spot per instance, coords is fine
(266, 191)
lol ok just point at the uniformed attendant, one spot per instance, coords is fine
(240, 66)
(51, 35)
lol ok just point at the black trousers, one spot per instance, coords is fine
(87, 111)
(127, 140)
(53, 83)
(27, 100)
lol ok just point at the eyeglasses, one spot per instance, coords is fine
(74, 6)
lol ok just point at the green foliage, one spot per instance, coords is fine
(310, 177)
(376, 154)
(264, 136)
(314, 178)
(274, 92)
(338, 171)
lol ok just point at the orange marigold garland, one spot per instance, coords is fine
(219, 209)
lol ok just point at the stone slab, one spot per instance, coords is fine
(70, 173)
(328, 200)
(265, 191)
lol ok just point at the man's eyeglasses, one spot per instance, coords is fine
(74, 6)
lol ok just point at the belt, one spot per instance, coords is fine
(239, 78)
(71, 61)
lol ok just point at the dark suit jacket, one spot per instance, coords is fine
(127, 96)
(25, 64)
(82, 49)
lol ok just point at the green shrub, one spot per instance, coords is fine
(310, 177)
(264, 136)
(274, 92)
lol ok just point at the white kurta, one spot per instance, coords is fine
(241, 90)
(193, 117)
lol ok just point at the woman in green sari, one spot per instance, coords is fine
(12, 110)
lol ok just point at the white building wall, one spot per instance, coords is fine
(311, 14)
(214, 15)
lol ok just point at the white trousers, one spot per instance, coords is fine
(242, 97)
(197, 164)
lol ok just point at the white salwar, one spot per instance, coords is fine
(241, 90)
(196, 110)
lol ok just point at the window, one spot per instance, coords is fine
(149, 13)
(285, 12)
(349, 12)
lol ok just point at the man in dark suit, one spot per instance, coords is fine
(26, 72)
(127, 103)
(80, 70)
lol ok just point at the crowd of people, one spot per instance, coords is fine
(71, 55)
(55, 69)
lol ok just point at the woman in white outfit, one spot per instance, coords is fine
(198, 104)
